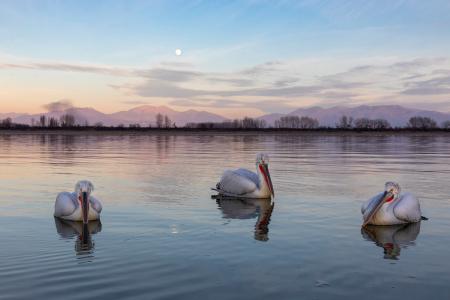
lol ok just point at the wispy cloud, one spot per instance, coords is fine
(270, 86)
(67, 67)
(436, 86)
(266, 106)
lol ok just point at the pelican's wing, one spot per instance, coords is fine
(408, 208)
(249, 175)
(96, 204)
(370, 203)
(65, 204)
(235, 183)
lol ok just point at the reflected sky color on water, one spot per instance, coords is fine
(162, 235)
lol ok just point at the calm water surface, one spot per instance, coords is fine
(161, 235)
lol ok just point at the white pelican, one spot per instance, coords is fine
(242, 183)
(391, 207)
(79, 205)
(392, 238)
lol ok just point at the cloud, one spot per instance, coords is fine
(59, 105)
(398, 70)
(285, 81)
(266, 106)
(436, 86)
(168, 74)
(66, 67)
(135, 102)
(262, 69)
(273, 85)
(163, 89)
(239, 82)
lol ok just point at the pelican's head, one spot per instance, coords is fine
(83, 190)
(262, 163)
(391, 193)
(393, 189)
(262, 158)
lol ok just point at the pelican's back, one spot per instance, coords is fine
(408, 208)
(65, 204)
(236, 183)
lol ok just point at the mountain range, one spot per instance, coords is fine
(396, 115)
(144, 115)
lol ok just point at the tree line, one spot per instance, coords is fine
(417, 122)
(285, 122)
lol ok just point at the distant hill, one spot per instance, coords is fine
(396, 115)
(143, 115)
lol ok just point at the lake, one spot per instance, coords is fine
(162, 236)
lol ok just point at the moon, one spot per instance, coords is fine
(178, 52)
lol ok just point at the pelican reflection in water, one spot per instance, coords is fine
(261, 209)
(83, 232)
(392, 238)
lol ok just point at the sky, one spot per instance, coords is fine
(237, 58)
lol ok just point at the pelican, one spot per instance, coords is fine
(242, 183)
(79, 205)
(392, 238)
(391, 207)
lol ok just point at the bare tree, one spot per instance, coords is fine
(446, 124)
(288, 122)
(246, 123)
(418, 122)
(98, 124)
(250, 123)
(67, 120)
(53, 122)
(345, 122)
(159, 120)
(308, 123)
(365, 123)
(362, 123)
(381, 124)
(295, 122)
(167, 122)
(6, 123)
(43, 121)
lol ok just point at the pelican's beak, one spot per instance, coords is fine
(375, 207)
(85, 207)
(265, 171)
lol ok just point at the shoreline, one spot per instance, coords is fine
(166, 131)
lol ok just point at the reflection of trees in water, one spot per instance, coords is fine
(337, 142)
(84, 245)
(392, 238)
(422, 143)
(165, 144)
(6, 141)
(59, 147)
(249, 209)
